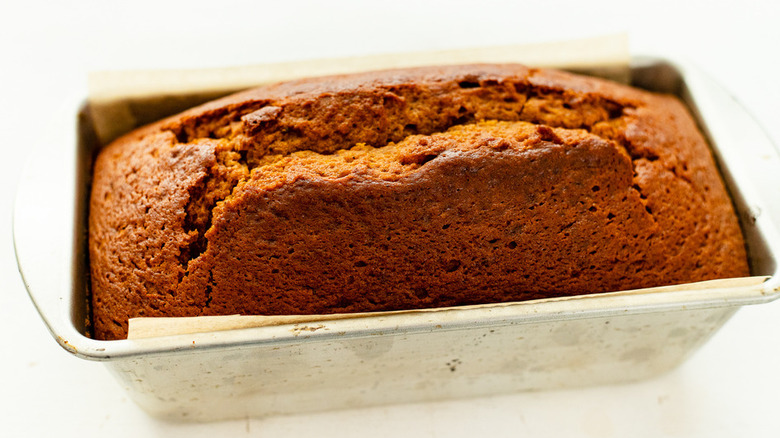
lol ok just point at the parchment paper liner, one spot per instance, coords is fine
(152, 327)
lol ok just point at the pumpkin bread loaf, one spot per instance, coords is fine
(405, 189)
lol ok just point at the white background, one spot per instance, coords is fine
(731, 387)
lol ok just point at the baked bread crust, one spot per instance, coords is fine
(404, 189)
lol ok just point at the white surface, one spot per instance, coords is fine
(731, 387)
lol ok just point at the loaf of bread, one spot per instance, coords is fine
(405, 189)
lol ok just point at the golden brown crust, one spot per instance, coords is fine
(406, 189)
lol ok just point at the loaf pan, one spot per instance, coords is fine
(418, 356)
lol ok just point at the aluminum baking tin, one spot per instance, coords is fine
(543, 344)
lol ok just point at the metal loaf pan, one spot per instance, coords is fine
(557, 343)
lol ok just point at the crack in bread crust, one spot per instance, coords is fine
(376, 117)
